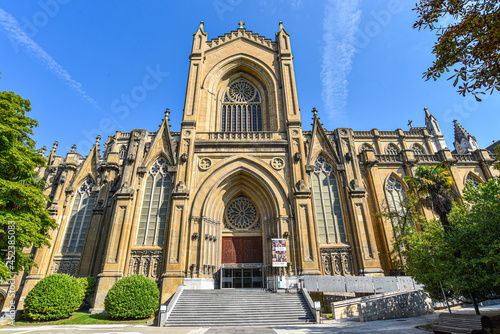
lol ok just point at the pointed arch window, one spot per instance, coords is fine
(472, 179)
(327, 204)
(365, 147)
(79, 218)
(155, 202)
(241, 108)
(391, 149)
(394, 192)
(418, 150)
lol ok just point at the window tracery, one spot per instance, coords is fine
(155, 203)
(79, 218)
(418, 150)
(394, 192)
(241, 108)
(473, 180)
(241, 214)
(327, 204)
(391, 149)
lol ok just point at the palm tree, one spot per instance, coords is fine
(434, 189)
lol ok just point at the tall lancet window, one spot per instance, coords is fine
(394, 192)
(79, 218)
(327, 203)
(241, 108)
(154, 210)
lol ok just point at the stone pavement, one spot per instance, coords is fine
(350, 325)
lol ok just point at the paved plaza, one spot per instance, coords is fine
(350, 325)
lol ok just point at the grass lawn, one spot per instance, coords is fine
(82, 318)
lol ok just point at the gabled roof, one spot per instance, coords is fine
(242, 33)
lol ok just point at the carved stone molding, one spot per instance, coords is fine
(337, 261)
(65, 266)
(146, 262)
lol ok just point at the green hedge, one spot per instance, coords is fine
(132, 297)
(54, 297)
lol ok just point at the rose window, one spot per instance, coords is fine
(241, 91)
(241, 214)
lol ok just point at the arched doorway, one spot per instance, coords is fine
(242, 259)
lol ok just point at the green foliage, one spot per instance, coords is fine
(467, 259)
(56, 296)
(469, 44)
(87, 284)
(404, 222)
(433, 188)
(132, 297)
(24, 220)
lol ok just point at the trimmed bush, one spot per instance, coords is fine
(54, 297)
(87, 284)
(132, 297)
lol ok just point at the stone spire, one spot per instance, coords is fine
(433, 128)
(464, 142)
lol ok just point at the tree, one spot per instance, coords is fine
(404, 222)
(474, 276)
(469, 45)
(433, 188)
(24, 219)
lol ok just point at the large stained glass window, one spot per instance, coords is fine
(79, 218)
(327, 203)
(241, 108)
(154, 210)
(394, 193)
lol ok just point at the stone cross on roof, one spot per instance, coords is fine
(241, 23)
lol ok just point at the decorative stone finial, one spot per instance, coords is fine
(167, 113)
(281, 25)
(242, 23)
(315, 113)
(55, 146)
(73, 148)
(42, 151)
(97, 140)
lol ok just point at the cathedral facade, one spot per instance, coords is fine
(202, 206)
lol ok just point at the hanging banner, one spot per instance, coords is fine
(278, 249)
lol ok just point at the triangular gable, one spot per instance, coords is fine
(88, 168)
(320, 143)
(162, 145)
(244, 35)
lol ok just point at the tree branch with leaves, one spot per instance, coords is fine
(468, 42)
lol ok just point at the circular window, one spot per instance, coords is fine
(241, 91)
(241, 214)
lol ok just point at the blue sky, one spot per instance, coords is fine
(94, 67)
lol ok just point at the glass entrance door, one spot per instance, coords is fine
(242, 278)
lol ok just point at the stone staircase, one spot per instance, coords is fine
(239, 307)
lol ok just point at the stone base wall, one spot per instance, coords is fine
(400, 306)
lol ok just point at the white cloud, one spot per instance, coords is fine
(341, 24)
(19, 38)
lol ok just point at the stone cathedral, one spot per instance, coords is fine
(200, 206)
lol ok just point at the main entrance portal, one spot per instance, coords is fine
(241, 262)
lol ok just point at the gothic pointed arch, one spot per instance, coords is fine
(366, 146)
(81, 210)
(240, 175)
(395, 188)
(418, 149)
(255, 72)
(392, 149)
(155, 205)
(327, 203)
(241, 106)
(473, 179)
